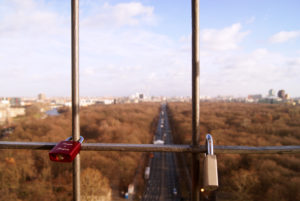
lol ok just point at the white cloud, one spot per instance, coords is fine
(117, 53)
(224, 39)
(238, 72)
(34, 44)
(122, 14)
(120, 55)
(128, 13)
(29, 17)
(284, 36)
(246, 73)
(141, 59)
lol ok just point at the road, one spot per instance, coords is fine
(162, 184)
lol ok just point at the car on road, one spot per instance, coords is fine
(147, 172)
(159, 142)
(174, 191)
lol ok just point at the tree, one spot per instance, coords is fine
(94, 186)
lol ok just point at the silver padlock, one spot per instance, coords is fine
(210, 171)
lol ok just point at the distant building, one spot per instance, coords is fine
(15, 102)
(177, 99)
(287, 96)
(106, 101)
(254, 98)
(68, 104)
(137, 97)
(271, 92)
(205, 98)
(7, 113)
(86, 102)
(4, 101)
(224, 98)
(155, 99)
(41, 97)
(271, 98)
(281, 94)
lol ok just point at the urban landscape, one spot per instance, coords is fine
(138, 100)
(11, 107)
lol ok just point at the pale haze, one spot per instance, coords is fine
(246, 47)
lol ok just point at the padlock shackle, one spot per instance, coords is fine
(80, 139)
(69, 138)
(209, 145)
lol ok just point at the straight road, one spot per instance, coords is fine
(162, 184)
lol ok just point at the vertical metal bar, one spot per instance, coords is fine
(195, 71)
(75, 95)
(195, 98)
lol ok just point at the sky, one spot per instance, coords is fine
(246, 47)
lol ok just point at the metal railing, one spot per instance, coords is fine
(157, 148)
(194, 148)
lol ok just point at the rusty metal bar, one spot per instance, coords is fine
(75, 94)
(195, 98)
(293, 149)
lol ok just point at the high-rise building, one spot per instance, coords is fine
(15, 101)
(41, 97)
(271, 92)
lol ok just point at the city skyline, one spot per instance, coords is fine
(246, 48)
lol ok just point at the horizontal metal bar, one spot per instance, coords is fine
(105, 147)
(141, 147)
(293, 149)
(26, 145)
(156, 148)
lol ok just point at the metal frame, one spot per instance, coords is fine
(294, 149)
(194, 148)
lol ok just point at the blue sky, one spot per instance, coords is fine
(246, 47)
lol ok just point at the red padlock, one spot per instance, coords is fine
(65, 151)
